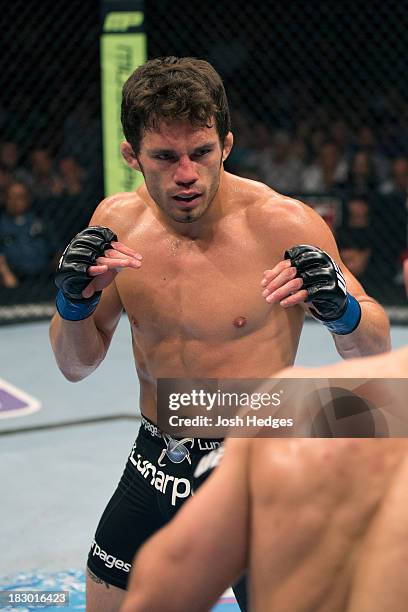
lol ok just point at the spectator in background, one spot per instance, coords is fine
(72, 209)
(302, 130)
(279, 168)
(9, 156)
(26, 243)
(356, 237)
(6, 179)
(72, 176)
(362, 176)
(358, 214)
(355, 248)
(299, 150)
(398, 181)
(315, 141)
(340, 133)
(367, 142)
(45, 182)
(326, 173)
(370, 220)
(10, 161)
(394, 208)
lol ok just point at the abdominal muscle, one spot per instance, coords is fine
(254, 355)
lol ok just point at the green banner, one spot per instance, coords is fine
(121, 52)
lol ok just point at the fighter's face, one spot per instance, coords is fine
(181, 165)
(17, 201)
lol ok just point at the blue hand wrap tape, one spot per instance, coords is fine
(76, 311)
(348, 321)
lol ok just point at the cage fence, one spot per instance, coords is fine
(317, 92)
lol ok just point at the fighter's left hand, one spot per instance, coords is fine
(310, 275)
(281, 285)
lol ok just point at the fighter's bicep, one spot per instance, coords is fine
(319, 234)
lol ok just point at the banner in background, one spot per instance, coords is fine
(123, 48)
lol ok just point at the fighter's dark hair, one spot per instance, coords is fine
(169, 89)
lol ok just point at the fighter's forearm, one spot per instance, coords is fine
(79, 346)
(372, 336)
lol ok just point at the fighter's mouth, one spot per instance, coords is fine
(187, 198)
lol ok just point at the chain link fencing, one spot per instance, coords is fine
(50, 144)
(318, 99)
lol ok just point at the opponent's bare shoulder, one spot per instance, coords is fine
(121, 211)
(386, 365)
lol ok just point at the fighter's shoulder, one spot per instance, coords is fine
(273, 207)
(294, 222)
(118, 210)
(261, 203)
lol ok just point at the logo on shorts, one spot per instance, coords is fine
(209, 462)
(208, 445)
(176, 450)
(151, 427)
(180, 487)
(109, 560)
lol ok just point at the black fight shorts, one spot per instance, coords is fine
(157, 480)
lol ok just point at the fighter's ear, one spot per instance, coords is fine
(129, 155)
(228, 142)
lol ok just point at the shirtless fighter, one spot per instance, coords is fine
(321, 524)
(213, 281)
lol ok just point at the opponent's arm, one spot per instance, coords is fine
(312, 275)
(189, 563)
(88, 304)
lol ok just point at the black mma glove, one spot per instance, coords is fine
(326, 287)
(71, 276)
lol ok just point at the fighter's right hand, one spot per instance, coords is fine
(89, 264)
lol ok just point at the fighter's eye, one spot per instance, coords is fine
(202, 152)
(164, 157)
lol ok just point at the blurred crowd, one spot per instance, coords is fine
(44, 200)
(46, 197)
(360, 174)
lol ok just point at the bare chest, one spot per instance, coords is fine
(198, 292)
